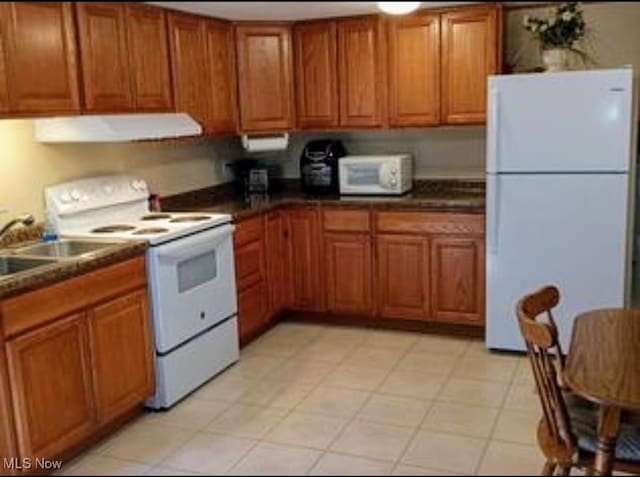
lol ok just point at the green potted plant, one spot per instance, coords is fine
(557, 34)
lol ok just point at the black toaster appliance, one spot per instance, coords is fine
(319, 166)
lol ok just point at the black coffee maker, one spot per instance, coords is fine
(319, 166)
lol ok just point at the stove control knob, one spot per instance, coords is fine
(393, 182)
(65, 197)
(75, 195)
(142, 184)
(108, 189)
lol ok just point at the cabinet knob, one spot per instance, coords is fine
(202, 315)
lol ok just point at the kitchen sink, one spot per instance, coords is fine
(63, 248)
(10, 265)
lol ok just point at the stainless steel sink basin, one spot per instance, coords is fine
(63, 248)
(10, 265)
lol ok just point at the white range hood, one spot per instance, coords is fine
(115, 128)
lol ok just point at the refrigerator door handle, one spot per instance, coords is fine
(493, 212)
(494, 127)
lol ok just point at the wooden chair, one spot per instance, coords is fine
(567, 432)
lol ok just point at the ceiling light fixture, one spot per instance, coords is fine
(398, 8)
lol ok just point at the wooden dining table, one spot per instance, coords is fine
(603, 366)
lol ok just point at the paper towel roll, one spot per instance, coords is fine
(265, 143)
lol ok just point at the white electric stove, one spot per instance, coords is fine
(190, 271)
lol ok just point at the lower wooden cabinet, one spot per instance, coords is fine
(253, 311)
(305, 259)
(277, 276)
(403, 276)
(348, 273)
(79, 369)
(50, 376)
(457, 280)
(121, 348)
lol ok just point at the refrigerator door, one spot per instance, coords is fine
(560, 122)
(568, 230)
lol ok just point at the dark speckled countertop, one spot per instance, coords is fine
(63, 269)
(451, 195)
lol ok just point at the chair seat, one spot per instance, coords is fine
(584, 421)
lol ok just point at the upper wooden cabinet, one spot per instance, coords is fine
(265, 82)
(149, 57)
(106, 73)
(222, 77)
(40, 58)
(414, 70)
(316, 65)
(470, 52)
(362, 78)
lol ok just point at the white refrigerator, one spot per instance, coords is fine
(560, 184)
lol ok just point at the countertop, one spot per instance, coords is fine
(63, 269)
(451, 195)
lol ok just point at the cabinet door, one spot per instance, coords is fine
(265, 83)
(470, 50)
(222, 76)
(120, 342)
(41, 64)
(348, 274)
(188, 59)
(253, 311)
(277, 276)
(316, 63)
(362, 72)
(50, 373)
(403, 276)
(7, 436)
(106, 73)
(305, 259)
(414, 70)
(457, 280)
(149, 57)
(4, 94)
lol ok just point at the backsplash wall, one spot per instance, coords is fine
(170, 167)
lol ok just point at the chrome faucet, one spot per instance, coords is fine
(26, 219)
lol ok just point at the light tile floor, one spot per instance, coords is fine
(328, 400)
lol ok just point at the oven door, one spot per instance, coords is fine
(366, 177)
(192, 285)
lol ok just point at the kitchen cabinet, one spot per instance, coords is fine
(148, 57)
(77, 366)
(122, 359)
(316, 60)
(277, 276)
(305, 259)
(50, 375)
(348, 273)
(414, 70)
(457, 279)
(362, 78)
(403, 276)
(106, 71)
(40, 64)
(471, 50)
(265, 77)
(187, 40)
(253, 311)
(222, 117)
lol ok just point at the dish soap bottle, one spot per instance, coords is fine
(49, 233)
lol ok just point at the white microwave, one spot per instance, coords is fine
(371, 175)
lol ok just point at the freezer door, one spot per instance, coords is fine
(560, 122)
(560, 229)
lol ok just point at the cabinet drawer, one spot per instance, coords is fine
(32, 309)
(249, 231)
(346, 220)
(430, 223)
(250, 264)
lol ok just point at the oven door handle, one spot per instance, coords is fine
(207, 242)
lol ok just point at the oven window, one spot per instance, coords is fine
(196, 271)
(362, 175)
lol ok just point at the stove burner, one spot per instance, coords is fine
(156, 217)
(151, 230)
(190, 218)
(112, 228)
